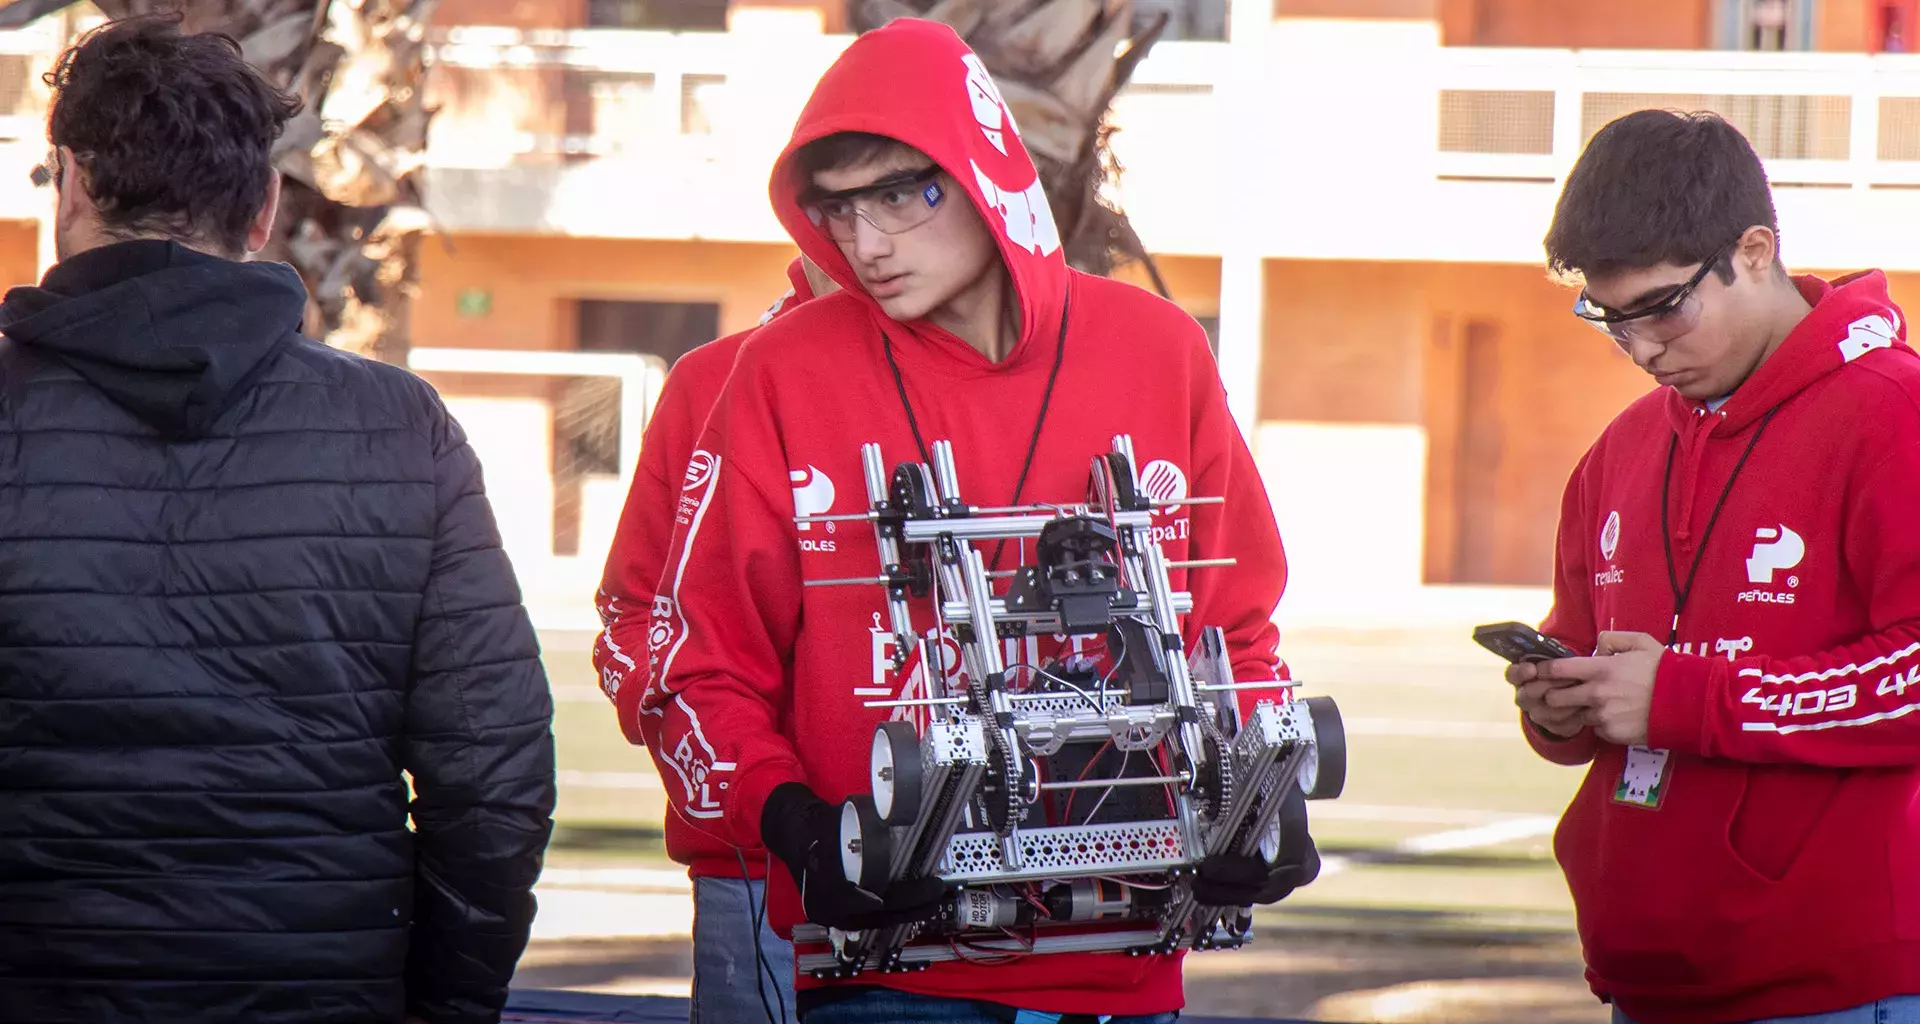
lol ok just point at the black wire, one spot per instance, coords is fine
(1039, 421)
(771, 979)
(764, 970)
(886, 345)
(1681, 594)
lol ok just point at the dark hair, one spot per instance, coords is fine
(172, 132)
(1654, 187)
(840, 150)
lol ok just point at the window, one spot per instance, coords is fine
(1892, 26)
(1766, 24)
(660, 15)
(1211, 325)
(1192, 20)
(607, 110)
(700, 102)
(665, 329)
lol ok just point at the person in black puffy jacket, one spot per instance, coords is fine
(249, 586)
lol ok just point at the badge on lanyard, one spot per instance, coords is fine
(1643, 782)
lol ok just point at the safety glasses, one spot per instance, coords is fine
(894, 204)
(1662, 321)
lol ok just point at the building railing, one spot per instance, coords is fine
(637, 134)
(511, 95)
(1817, 119)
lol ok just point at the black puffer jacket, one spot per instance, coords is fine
(245, 582)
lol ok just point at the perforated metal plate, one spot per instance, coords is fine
(1071, 703)
(958, 740)
(1274, 725)
(1068, 852)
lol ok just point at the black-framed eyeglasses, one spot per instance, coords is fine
(895, 204)
(1661, 321)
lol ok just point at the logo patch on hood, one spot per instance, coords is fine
(1868, 333)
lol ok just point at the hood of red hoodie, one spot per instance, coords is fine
(802, 288)
(917, 82)
(1851, 316)
(800, 291)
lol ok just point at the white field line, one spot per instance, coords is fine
(609, 780)
(1429, 728)
(655, 879)
(1480, 836)
(1459, 817)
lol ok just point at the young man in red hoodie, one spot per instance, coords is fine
(1738, 550)
(906, 181)
(727, 886)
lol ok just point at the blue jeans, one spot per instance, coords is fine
(724, 966)
(886, 1006)
(1892, 1010)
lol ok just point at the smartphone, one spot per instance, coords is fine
(1517, 642)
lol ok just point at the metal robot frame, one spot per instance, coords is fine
(954, 799)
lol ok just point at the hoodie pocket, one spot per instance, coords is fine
(1664, 903)
(1903, 851)
(1778, 810)
(1712, 893)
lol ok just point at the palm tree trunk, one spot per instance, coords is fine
(351, 214)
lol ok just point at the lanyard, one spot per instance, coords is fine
(1039, 421)
(1681, 593)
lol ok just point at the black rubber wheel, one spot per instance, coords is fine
(1325, 774)
(912, 490)
(866, 845)
(1125, 498)
(896, 771)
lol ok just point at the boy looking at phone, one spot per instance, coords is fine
(1738, 551)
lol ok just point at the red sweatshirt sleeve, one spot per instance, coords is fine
(1570, 621)
(1851, 707)
(640, 539)
(725, 621)
(1241, 599)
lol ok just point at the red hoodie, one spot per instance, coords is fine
(639, 550)
(1768, 862)
(763, 681)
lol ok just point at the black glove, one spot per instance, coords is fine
(1242, 880)
(804, 832)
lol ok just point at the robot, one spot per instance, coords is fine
(1068, 804)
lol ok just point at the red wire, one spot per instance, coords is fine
(1160, 757)
(1066, 816)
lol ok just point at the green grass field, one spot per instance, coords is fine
(1440, 900)
(1434, 751)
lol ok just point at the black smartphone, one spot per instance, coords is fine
(1517, 642)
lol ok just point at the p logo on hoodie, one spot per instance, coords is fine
(812, 493)
(1774, 550)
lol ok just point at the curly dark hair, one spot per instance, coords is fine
(172, 132)
(1658, 186)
